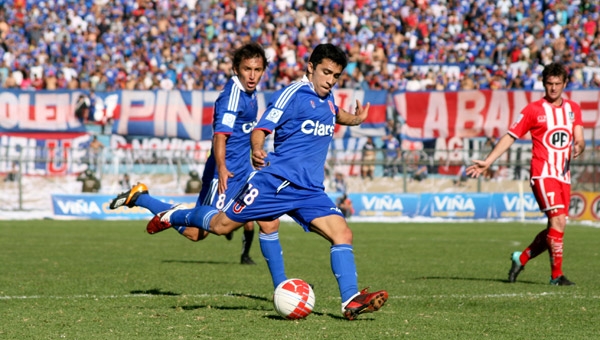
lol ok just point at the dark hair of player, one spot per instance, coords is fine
(554, 70)
(249, 51)
(328, 51)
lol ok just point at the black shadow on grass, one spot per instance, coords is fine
(154, 291)
(194, 307)
(277, 317)
(281, 318)
(254, 297)
(250, 296)
(469, 279)
(340, 317)
(198, 262)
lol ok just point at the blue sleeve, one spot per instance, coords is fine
(226, 110)
(280, 107)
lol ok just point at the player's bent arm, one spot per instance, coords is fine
(257, 142)
(219, 149)
(579, 141)
(344, 117)
(503, 144)
(219, 143)
(480, 166)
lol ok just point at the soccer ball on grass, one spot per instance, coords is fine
(294, 299)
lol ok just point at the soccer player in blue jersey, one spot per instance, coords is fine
(302, 117)
(228, 164)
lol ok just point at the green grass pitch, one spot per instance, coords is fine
(111, 280)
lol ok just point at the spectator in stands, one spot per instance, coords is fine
(339, 183)
(462, 176)
(421, 173)
(176, 38)
(193, 184)
(367, 169)
(82, 109)
(13, 174)
(392, 153)
(51, 81)
(516, 82)
(345, 205)
(4, 73)
(89, 181)
(25, 80)
(125, 182)
(95, 153)
(467, 83)
(414, 160)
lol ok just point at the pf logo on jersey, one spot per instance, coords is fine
(558, 139)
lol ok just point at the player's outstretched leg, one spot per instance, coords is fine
(199, 217)
(128, 198)
(161, 221)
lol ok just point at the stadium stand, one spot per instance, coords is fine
(105, 45)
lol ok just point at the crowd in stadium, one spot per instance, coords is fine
(411, 45)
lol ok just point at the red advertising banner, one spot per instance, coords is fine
(478, 113)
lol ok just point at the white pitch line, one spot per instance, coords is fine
(399, 297)
(498, 296)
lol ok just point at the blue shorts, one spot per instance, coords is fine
(266, 197)
(210, 192)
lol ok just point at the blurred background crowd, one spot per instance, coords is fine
(410, 45)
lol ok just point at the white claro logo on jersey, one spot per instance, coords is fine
(317, 128)
(558, 138)
(248, 127)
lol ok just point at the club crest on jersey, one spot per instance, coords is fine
(312, 103)
(558, 139)
(239, 204)
(571, 115)
(331, 106)
(238, 207)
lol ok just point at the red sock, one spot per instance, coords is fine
(538, 246)
(555, 248)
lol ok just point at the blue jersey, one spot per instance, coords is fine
(235, 115)
(303, 124)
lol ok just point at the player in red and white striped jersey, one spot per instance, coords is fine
(557, 134)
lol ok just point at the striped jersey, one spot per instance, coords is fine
(235, 115)
(551, 131)
(303, 124)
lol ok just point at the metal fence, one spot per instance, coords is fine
(408, 171)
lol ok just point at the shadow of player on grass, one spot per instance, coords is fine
(473, 279)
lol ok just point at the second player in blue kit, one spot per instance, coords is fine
(228, 164)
